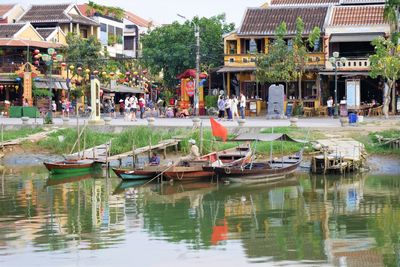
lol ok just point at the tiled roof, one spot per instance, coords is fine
(84, 10)
(360, 2)
(25, 43)
(45, 32)
(302, 2)
(8, 30)
(53, 13)
(4, 9)
(260, 21)
(357, 15)
(141, 22)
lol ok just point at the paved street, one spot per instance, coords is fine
(250, 122)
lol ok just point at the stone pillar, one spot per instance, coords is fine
(228, 81)
(28, 87)
(95, 102)
(77, 29)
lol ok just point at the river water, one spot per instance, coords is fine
(303, 221)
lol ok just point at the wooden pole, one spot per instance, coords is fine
(79, 143)
(84, 140)
(2, 136)
(133, 156)
(149, 147)
(201, 137)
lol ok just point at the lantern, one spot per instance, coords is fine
(36, 51)
(36, 62)
(87, 71)
(126, 79)
(63, 64)
(95, 72)
(104, 73)
(72, 67)
(36, 57)
(39, 55)
(1, 87)
(144, 72)
(127, 73)
(51, 51)
(16, 87)
(135, 73)
(79, 69)
(59, 57)
(112, 74)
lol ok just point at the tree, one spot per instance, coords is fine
(278, 65)
(391, 15)
(171, 48)
(84, 51)
(299, 52)
(386, 64)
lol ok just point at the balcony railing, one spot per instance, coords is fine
(352, 64)
(246, 60)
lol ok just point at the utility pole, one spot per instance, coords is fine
(196, 90)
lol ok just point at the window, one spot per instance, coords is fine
(128, 42)
(103, 27)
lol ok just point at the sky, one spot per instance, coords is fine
(165, 11)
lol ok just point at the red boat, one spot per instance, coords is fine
(203, 168)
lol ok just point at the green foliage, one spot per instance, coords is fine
(385, 63)
(278, 65)
(23, 132)
(211, 101)
(314, 35)
(114, 12)
(172, 48)
(53, 144)
(38, 92)
(86, 51)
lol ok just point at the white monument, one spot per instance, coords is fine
(95, 102)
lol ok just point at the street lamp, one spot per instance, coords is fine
(50, 58)
(336, 62)
(196, 87)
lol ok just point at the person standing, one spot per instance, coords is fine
(142, 105)
(221, 107)
(329, 104)
(234, 107)
(127, 105)
(133, 107)
(242, 105)
(228, 108)
(121, 107)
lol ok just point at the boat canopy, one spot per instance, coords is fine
(266, 137)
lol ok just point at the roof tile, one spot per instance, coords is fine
(260, 21)
(302, 2)
(357, 15)
(8, 30)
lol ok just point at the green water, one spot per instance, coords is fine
(306, 221)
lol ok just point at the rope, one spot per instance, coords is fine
(158, 175)
(177, 176)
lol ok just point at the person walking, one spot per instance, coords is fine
(121, 107)
(242, 105)
(142, 105)
(133, 107)
(127, 105)
(221, 107)
(329, 104)
(234, 107)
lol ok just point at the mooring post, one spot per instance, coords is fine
(133, 155)
(201, 137)
(149, 147)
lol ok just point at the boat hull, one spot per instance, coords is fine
(70, 167)
(259, 172)
(139, 174)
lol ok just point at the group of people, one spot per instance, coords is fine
(131, 106)
(231, 106)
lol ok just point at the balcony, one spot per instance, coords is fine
(314, 60)
(352, 64)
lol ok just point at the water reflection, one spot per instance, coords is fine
(308, 219)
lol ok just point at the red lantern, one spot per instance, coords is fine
(144, 72)
(1, 87)
(36, 57)
(36, 62)
(112, 74)
(127, 73)
(63, 64)
(126, 79)
(36, 51)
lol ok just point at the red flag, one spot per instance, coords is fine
(218, 130)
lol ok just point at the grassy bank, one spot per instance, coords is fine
(20, 133)
(373, 146)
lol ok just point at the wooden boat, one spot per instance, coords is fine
(203, 168)
(147, 172)
(70, 166)
(267, 171)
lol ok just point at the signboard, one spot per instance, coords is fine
(253, 46)
(28, 87)
(353, 93)
(253, 106)
(190, 88)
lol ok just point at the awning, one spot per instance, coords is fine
(349, 73)
(343, 38)
(236, 69)
(54, 85)
(123, 89)
(265, 137)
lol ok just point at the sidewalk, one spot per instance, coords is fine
(253, 122)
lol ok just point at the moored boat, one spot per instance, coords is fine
(147, 172)
(70, 166)
(203, 167)
(266, 171)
